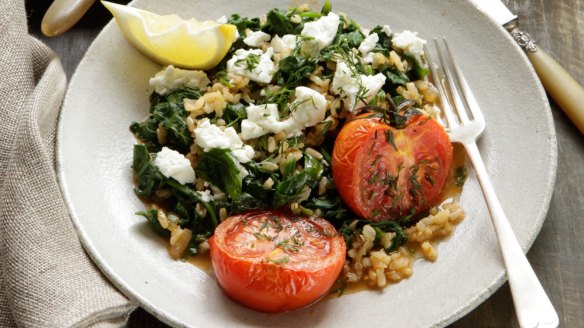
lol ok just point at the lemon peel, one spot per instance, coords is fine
(171, 40)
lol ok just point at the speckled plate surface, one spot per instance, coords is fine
(110, 90)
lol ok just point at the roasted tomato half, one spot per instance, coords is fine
(383, 173)
(273, 262)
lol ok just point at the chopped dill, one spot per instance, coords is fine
(430, 179)
(327, 125)
(376, 160)
(348, 58)
(251, 62)
(290, 245)
(281, 260)
(262, 236)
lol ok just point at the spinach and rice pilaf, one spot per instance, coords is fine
(258, 131)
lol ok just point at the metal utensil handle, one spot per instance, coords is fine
(532, 305)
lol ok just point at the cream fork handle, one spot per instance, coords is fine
(565, 90)
(532, 305)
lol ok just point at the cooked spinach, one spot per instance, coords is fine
(247, 202)
(289, 189)
(331, 208)
(184, 197)
(279, 23)
(395, 77)
(148, 177)
(234, 114)
(419, 71)
(400, 237)
(221, 168)
(167, 112)
(349, 228)
(187, 195)
(349, 40)
(243, 23)
(295, 69)
(152, 217)
(384, 39)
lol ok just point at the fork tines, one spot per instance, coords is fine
(459, 104)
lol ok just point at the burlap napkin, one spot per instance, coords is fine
(46, 279)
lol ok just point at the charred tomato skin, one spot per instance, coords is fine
(386, 173)
(273, 262)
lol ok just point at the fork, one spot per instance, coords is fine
(532, 305)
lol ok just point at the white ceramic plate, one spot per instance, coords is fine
(110, 90)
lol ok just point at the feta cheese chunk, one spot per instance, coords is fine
(255, 39)
(286, 42)
(206, 196)
(251, 129)
(368, 59)
(323, 29)
(171, 78)
(385, 29)
(262, 119)
(173, 164)
(368, 44)
(254, 64)
(309, 107)
(410, 42)
(307, 110)
(345, 84)
(208, 136)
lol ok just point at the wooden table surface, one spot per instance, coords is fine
(558, 252)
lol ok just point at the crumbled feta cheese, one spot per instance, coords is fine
(368, 44)
(173, 164)
(323, 29)
(262, 119)
(286, 42)
(309, 107)
(206, 196)
(208, 136)
(250, 130)
(243, 153)
(366, 86)
(262, 69)
(255, 39)
(373, 84)
(385, 29)
(368, 59)
(171, 78)
(307, 110)
(222, 20)
(410, 42)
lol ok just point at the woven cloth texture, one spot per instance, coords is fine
(46, 278)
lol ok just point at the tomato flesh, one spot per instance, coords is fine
(273, 262)
(383, 173)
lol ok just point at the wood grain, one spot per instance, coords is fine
(558, 253)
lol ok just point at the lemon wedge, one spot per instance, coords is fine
(170, 40)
